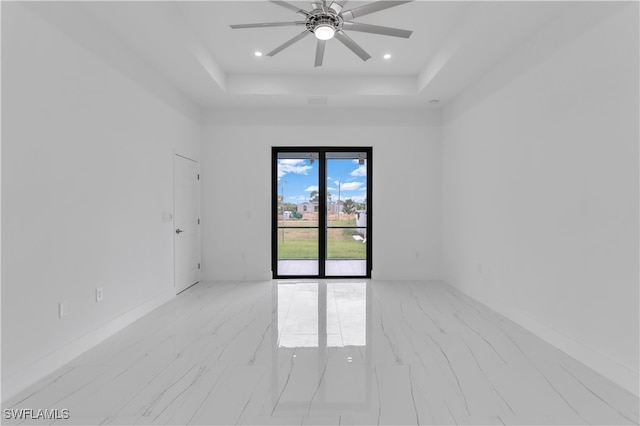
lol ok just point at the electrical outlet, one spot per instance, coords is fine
(98, 294)
(63, 309)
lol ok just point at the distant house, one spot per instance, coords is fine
(308, 207)
(314, 206)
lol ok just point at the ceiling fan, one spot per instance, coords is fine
(327, 21)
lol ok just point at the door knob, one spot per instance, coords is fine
(179, 231)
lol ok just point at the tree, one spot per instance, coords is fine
(349, 206)
(290, 207)
(314, 196)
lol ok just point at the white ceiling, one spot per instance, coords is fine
(192, 46)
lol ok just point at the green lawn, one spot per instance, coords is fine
(303, 243)
(346, 249)
(297, 249)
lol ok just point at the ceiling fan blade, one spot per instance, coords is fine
(267, 24)
(290, 7)
(348, 15)
(337, 6)
(320, 52)
(289, 43)
(352, 45)
(376, 29)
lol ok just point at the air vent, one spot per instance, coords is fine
(318, 100)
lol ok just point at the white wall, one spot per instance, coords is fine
(87, 171)
(236, 173)
(540, 161)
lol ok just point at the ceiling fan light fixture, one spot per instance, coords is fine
(324, 32)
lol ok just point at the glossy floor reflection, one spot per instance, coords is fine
(347, 352)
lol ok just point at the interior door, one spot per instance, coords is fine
(186, 223)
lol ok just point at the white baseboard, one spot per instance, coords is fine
(31, 374)
(602, 364)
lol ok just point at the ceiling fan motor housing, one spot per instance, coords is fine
(322, 19)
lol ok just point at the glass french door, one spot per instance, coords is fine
(321, 212)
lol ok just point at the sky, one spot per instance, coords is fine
(298, 177)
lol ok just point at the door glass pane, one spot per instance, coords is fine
(346, 214)
(297, 213)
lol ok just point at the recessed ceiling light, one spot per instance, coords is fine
(257, 53)
(387, 56)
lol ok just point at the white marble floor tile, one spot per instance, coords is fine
(326, 352)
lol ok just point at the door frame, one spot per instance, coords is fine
(322, 217)
(177, 289)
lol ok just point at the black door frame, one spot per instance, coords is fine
(322, 217)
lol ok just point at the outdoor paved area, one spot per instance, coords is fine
(336, 268)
